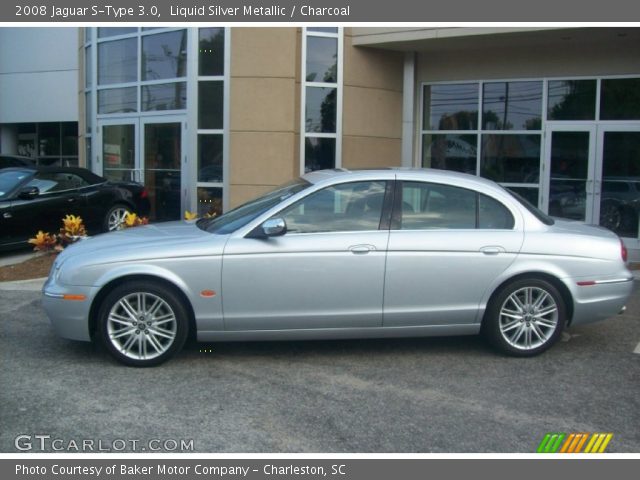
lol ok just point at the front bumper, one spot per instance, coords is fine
(69, 317)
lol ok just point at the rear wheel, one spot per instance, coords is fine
(114, 219)
(525, 317)
(142, 324)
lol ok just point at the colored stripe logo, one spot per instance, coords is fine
(574, 443)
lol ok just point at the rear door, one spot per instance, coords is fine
(446, 245)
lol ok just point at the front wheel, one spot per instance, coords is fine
(142, 324)
(525, 317)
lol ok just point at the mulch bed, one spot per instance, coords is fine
(33, 268)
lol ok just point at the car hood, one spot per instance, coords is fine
(161, 240)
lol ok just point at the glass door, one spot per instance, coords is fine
(118, 150)
(618, 179)
(569, 172)
(162, 154)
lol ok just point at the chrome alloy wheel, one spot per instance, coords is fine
(141, 326)
(116, 218)
(528, 318)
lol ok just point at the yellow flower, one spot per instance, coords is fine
(190, 215)
(73, 226)
(131, 219)
(43, 241)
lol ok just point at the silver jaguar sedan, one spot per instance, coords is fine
(343, 254)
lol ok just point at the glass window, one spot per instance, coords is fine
(450, 152)
(510, 158)
(118, 61)
(49, 139)
(322, 57)
(210, 105)
(320, 153)
(88, 112)
(530, 194)
(451, 107)
(164, 55)
(347, 207)
(620, 99)
(323, 29)
(211, 51)
(210, 158)
(119, 147)
(69, 139)
(9, 180)
(104, 32)
(118, 100)
(571, 100)
(166, 96)
(512, 106)
(431, 205)
(320, 111)
(50, 182)
(209, 201)
(493, 215)
(87, 68)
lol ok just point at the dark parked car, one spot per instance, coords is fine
(37, 198)
(7, 161)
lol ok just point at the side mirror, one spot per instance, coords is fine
(29, 193)
(274, 227)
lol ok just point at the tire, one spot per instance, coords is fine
(525, 317)
(147, 336)
(114, 217)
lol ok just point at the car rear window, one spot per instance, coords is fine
(536, 212)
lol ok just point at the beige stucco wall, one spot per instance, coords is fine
(372, 106)
(264, 110)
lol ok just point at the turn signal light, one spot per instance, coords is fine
(74, 297)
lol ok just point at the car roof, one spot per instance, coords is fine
(401, 173)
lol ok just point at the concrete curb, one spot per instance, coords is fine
(32, 285)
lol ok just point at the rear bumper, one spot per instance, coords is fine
(604, 299)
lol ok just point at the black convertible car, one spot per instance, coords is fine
(37, 198)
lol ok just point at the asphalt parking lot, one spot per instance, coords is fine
(413, 395)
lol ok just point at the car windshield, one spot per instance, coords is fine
(9, 180)
(240, 216)
(539, 214)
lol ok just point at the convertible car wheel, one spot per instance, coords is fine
(114, 219)
(525, 318)
(142, 324)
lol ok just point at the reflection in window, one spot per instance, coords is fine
(528, 193)
(210, 104)
(104, 32)
(451, 107)
(512, 106)
(210, 158)
(209, 201)
(211, 51)
(69, 136)
(320, 111)
(167, 96)
(117, 100)
(430, 205)
(620, 99)
(118, 147)
(319, 153)
(322, 55)
(164, 55)
(571, 100)
(118, 61)
(323, 29)
(493, 215)
(49, 139)
(342, 208)
(511, 158)
(450, 152)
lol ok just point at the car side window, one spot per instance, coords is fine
(435, 206)
(345, 207)
(50, 182)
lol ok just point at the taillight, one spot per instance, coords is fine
(144, 193)
(623, 251)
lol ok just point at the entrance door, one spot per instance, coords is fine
(148, 151)
(569, 172)
(592, 174)
(162, 155)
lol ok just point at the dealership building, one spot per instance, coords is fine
(208, 118)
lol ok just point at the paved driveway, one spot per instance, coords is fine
(415, 395)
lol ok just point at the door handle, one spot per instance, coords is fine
(492, 250)
(361, 249)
